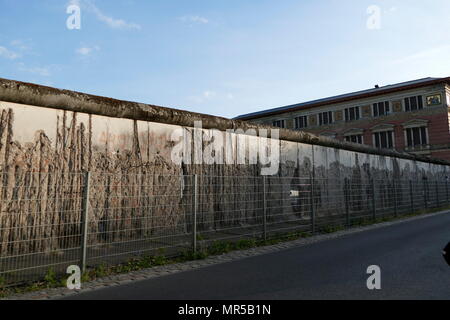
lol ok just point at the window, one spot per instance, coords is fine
(384, 139)
(380, 109)
(413, 103)
(279, 123)
(325, 118)
(301, 122)
(352, 114)
(416, 133)
(416, 136)
(434, 100)
(357, 138)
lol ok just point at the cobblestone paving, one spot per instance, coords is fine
(160, 271)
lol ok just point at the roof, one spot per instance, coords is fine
(346, 97)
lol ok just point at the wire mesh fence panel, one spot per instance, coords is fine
(229, 207)
(404, 196)
(421, 195)
(443, 192)
(39, 224)
(360, 200)
(131, 215)
(330, 198)
(288, 203)
(51, 220)
(385, 198)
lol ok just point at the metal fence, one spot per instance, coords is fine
(48, 222)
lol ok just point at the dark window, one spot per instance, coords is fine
(423, 135)
(409, 139)
(384, 140)
(301, 122)
(352, 114)
(279, 124)
(416, 137)
(325, 118)
(380, 109)
(413, 103)
(357, 138)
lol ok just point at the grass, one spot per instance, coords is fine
(52, 280)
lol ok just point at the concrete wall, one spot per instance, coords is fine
(47, 135)
(47, 140)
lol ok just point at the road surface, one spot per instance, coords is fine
(409, 255)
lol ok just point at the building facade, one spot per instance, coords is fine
(410, 117)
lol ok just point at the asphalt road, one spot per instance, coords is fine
(409, 255)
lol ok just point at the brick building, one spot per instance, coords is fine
(409, 117)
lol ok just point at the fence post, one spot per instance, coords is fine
(85, 220)
(194, 215)
(311, 195)
(264, 209)
(446, 188)
(395, 199)
(437, 193)
(425, 195)
(411, 196)
(346, 196)
(374, 209)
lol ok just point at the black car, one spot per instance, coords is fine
(446, 253)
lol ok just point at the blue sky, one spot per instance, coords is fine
(223, 57)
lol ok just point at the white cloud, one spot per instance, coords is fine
(20, 44)
(110, 21)
(114, 23)
(209, 94)
(74, 2)
(86, 51)
(8, 54)
(45, 72)
(426, 55)
(204, 96)
(194, 19)
(392, 10)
